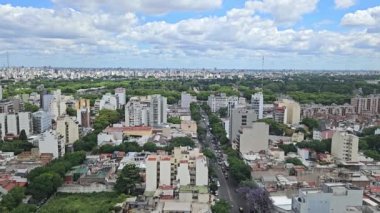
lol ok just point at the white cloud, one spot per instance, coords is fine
(364, 18)
(344, 4)
(284, 11)
(240, 33)
(145, 6)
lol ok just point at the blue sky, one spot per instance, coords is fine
(291, 34)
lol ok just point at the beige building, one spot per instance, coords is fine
(298, 137)
(238, 119)
(185, 167)
(344, 146)
(68, 128)
(292, 114)
(254, 138)
(189, 127)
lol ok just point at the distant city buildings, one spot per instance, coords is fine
(345, 146)
(257, 102)
(368, 105)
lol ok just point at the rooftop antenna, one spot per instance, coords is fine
(8, 59)
(262, 72)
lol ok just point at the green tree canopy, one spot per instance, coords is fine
(127, 180)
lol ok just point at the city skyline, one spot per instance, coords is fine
(304, 34)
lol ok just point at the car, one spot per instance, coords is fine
(241, 209)
(216, 193)
(217, 183)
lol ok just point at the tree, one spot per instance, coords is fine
(180, 141)
(223, 112)
(150, 147)
(127, 180)
(12, 199)
(28, 107)
(288, 148)
(209, 154)
(221, 206)
(23, 136)
(71, 111)
(238, 169)
(174, 120)
(257, 198)
(311, 123)
(44, 185)
(23, 208)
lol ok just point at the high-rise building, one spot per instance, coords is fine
(51, 142)
(108, 101)
(369, 105)
(184, 167)
(257, 102)
(186, 100)
(83, 112)
(253, 138)
(15, 123)
(121, 97)
(1, 93)
(287, 111)
(41, 121)
(146, 111)
(68, 128)
(344, 146)
(158, 110)
(238, 119)
(331, 197)
(11, 106)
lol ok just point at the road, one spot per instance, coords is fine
(227, 187)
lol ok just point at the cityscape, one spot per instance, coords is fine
(253, 106)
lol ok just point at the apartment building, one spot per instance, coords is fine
(41, 121)
(345, 146)
(257, 103)
(146, 111)
(253, 138)
(15, 123)
(108, 101)
(287, 111)
(331, 197)
(366, 105)
(120, 96)
(184, 167)
(51, 142)
(238, 119)
(83, 112)
(68, 128)
(186, 100)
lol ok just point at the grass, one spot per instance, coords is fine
(82, 203)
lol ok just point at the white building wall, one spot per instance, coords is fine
(165, 172)
(254, 138)
(12, 124)
(183, 175)
(201, 169)
(257, 101)
(25, 122)
(49, 142)
(151, 174)
(2, 125)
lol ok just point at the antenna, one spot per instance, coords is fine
(8, 59)
(262, 72)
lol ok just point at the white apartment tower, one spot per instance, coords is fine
(253, 138)
(41, 121)
(51, 142)
(344, 146)
(257, 102)
(238, 119)
(15, 123)
(158, 110)
(186, 100)
(121, 97)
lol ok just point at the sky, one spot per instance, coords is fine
(235, 34)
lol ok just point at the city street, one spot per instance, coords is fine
(227, 188)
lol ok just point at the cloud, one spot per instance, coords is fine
(242, 33)
(363, 18)
(144, 6)
(284, 11)
(344, 4)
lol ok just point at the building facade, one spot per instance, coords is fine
(186, 100)
(368, 105)
(253, 138)
(238, 119)
(69, 129)
(345, 146)
(287, 112)
(121, 97)
(332, 198)
(41, 121)
(184, 167)
(51, 142)
(257, 102)
(15, 123)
